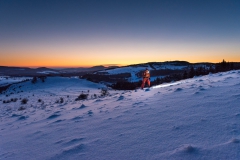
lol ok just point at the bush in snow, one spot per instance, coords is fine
(82, 96)
(104, 92)
(125, 86)
(39, 100)
(14, 99)
(34, 80)
(42, 78)
(11, 100)
(24, 101)
(61, 100)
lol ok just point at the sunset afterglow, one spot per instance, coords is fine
(89, 33)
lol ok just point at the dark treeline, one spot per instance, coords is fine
(42, 78)
(106, 78)
(198, 71)
(191, 72)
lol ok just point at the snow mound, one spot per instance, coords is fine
(82, 106)
(186, 148)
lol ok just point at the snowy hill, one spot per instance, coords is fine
(196, 118)
(23, 71)
(43, 71)
(5, 80)
(91, 69)
(133, 73)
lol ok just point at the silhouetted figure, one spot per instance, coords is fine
(146, 78)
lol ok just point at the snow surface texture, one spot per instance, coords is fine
(48, 72)
(5, 80)
(197, 118)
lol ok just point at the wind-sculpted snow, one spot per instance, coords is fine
(196, 118)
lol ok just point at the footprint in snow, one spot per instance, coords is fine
(148, 89)
(22, 117)
(121, 98)
(77, 118)
(98, 100)
(234, 140)
(178, 89)
(90, 113)
(57, 121)
(202, 89)
(15, 115)
(196, 92)
(237, 115)
(53, 116)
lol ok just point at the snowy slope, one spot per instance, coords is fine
(132, 70)
(125, 70)
(139, 68)
(169, 66)
(197, 118)
(5, 80)
(48, 72)
(136, 70)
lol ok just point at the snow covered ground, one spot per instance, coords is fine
(5, 80)
(197, 118)
(133, 71)
(48, 72)
(125, 70)
(136, 69)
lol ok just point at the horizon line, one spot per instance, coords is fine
(106, 65)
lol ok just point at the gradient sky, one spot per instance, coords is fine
(83, 33)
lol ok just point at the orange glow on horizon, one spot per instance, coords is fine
(35, 62)
(114, 54)
(59, 65)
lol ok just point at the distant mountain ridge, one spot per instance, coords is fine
(90, 69)
(157, 69)
(26, 71)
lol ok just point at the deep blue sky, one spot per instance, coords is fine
(149, 30)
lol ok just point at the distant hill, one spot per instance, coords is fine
(133, 73)
(130, 72)
(24, 71)
(91, 69)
